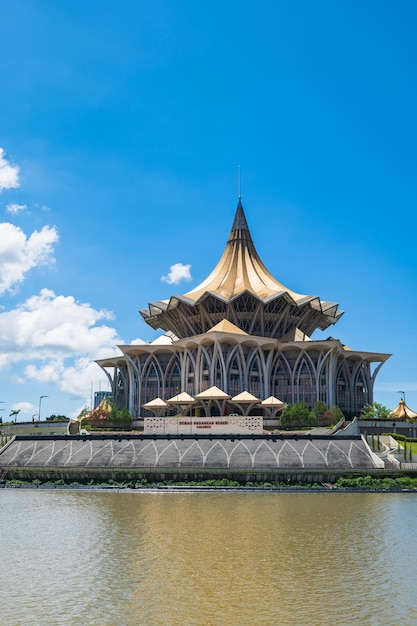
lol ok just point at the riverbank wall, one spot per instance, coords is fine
(242, 458)
(154, 475)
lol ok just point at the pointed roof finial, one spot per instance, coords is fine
(239, 195)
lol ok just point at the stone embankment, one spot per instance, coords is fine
(243, 458)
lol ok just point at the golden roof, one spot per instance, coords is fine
(241, 269)
(157, 403)
(212, 393)
(245, 397)
(102, 411)
(227, 327)
(238, 277)
(273, 402)
(181, 398)
(402, 411)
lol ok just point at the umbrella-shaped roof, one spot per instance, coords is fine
(227, 327)
(402, 411)
(102, 411)
(157, 403)
(213, 393)
(245, 398)
(272, 403)
(181, 398)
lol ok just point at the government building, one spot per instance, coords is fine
(240, 343)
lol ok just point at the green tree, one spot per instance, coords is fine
(337, 413)
(14, 413)
(120, 418)
(318, 411)
(84, 412)
(375, 411)
(56, 418)
(296, 416)
(327, 418)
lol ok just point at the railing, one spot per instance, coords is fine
(408, 466)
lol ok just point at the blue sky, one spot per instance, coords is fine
(121, 127)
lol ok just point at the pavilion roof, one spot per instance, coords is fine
(157, 403)
(212, 393)
(402, 411)
(245, 397)
(272, 402)
(181, 398)
(227, 327)
(240, 268)
(102, 411)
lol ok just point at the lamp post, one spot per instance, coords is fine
(40, 402)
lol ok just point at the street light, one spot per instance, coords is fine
(40, 402)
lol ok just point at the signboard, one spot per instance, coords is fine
(203, 425)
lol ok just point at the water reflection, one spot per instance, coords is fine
(207, 559)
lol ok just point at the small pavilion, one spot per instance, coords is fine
(403, 412)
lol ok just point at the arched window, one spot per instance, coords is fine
(360, 387)
(255, 376)
(281, 385)
(306, 387)
(151, 382)
(190, 375)
(342, 389)
(218, 373)
(234, 374)
(202, 373)
(173, 378)
(121, 386)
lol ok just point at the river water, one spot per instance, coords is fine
(116, 558)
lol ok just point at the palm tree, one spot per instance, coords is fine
(14, 413)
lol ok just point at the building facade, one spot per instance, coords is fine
(242, 330)
(99, 397)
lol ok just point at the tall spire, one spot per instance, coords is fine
(241, 272)
(240, 228)
(240, 268)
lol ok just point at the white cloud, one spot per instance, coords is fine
(24, 407)
(48, 326)
(9, 174)
(14, 209)
(19, 253)
(55, 339)
(177, 273)
(76, 378)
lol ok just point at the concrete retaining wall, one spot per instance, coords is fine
(240, 457)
